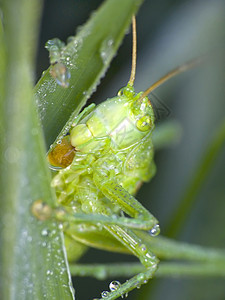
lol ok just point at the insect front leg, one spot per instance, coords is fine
(141, 217)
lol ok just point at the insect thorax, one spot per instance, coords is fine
(114, 139)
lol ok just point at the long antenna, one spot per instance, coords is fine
(134, 53)
(171, 74)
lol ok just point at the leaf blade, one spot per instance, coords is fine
(89, 54)
(27, 255)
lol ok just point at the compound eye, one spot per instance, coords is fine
(144, 123)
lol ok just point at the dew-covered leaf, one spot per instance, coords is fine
(32, 258)
(87, 57)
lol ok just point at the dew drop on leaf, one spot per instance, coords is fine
(114, 285)
(106, 50)
(61, 74)
(104, 294)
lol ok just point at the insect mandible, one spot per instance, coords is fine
(103, 160)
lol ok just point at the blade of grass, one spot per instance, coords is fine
(202, 171)
(32, 258)
(2, 73)
(87, 57)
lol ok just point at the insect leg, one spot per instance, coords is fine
(130, 240)
(84, 113)
(67, 216)
(43, 212)
(130, 205)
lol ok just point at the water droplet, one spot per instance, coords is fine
(104, 294)
(61, 74)
(78, 29)
(54, 46)
(155, 230)
(70, 39)
(43, 73)
(141, 277)
(60, 226)
(53, 232)
(106, 50)
(12, 154)
(143, 248)
(44, 232)
(44, 244)
(114, 285)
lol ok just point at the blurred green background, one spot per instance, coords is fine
(169, 34)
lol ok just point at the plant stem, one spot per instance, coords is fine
(197, 180)
(200, 261)
(166, 248)
(103, 271)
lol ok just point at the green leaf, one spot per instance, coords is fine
(31, 250)
(87, 57)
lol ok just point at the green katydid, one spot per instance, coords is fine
(103, 160)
